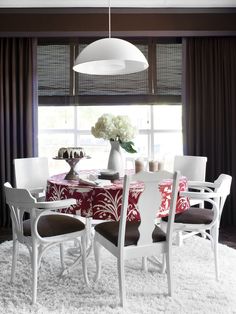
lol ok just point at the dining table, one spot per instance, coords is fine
(102, 199)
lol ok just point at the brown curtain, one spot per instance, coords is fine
(17, 108)
(209, 109)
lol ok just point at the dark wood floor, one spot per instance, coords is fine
(227, 236)
(5, 234)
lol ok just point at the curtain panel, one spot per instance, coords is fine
(18, 102)
(209, 109)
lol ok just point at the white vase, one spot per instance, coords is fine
(115, 161)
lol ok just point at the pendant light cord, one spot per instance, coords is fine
(109, 13)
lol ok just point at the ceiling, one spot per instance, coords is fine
(117, 3)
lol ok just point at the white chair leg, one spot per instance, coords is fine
(179, 238)
(121, 275)
(84, 260)
(169, 272)
(34, 264)
(97, 251)
(215, 235)
(144, 264)
(163, 266)
(14, 258)
(216, 261)
(89, 237)
(62, 256)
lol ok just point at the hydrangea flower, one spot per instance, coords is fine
(115, 128)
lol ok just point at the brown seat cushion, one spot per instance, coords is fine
(53, 225)
(110, 231)
(194, 215)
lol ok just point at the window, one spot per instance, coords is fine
(159, 136)
(70, 103)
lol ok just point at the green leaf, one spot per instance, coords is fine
(128, 146)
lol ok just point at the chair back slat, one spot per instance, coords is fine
(19, 202)
(148, 203)
(19, 197)
(31, 173)
(148, 208)
(192, 167)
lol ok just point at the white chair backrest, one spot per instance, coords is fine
(148, 204)
(31, 173)
(222, 187)
(192, 167)
(19, 202)
(16, 196)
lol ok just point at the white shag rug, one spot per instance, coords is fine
(196, 290)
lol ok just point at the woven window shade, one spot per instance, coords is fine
(54, 71)
(53, 65)
(168, 69)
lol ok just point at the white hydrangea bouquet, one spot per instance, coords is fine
(115, 128)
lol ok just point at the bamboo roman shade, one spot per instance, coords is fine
(56, 77)
(53, 67)
(168, 69)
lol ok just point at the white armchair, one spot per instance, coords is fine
(205, 220)
(45, 228)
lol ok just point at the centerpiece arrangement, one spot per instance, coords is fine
(120, 132)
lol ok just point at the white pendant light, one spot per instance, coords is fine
(110, 56)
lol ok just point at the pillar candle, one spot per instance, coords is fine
(139, 165)
(161, 166)
(153, 165)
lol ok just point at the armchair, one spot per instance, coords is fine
(45, 228)
(205, 221)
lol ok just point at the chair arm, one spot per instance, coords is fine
(55, 204)
(201, 184)
(48, 208)
(37, 190)
(199, 195)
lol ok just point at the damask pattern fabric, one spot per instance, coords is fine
(105, 202)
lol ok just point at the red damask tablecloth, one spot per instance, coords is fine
(104, 202)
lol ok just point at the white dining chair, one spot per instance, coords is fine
(44, 229)
(205, 220)
(125, 239)
(32, 174)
